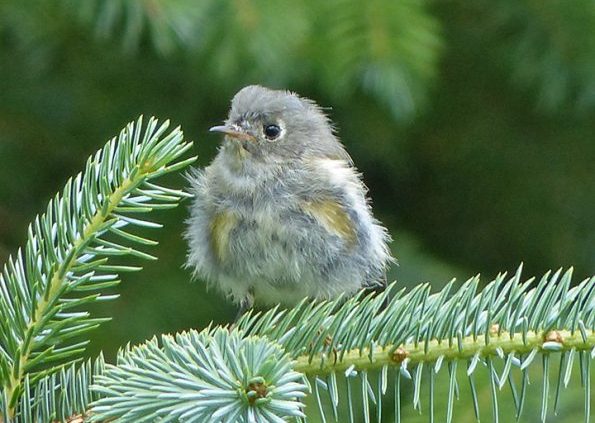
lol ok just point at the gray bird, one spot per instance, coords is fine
(281, 213)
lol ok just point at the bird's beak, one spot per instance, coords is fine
(233, 131)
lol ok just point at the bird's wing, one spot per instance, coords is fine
(334, 193)
(332, 216)
(220, 228)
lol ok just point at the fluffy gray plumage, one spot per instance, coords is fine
(281, 215)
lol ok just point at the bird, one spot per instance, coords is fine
(281, 213)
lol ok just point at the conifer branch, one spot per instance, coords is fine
(69, 250)
(503, 329)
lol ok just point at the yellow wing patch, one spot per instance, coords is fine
(221, 226)
(333, 218)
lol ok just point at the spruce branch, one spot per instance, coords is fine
(548, 50)
(509, 321)
(213, 375)
(390, 50)
(68, 255)
(62, 396)
(503, 329)
(168, 26)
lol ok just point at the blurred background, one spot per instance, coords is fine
(472, 122)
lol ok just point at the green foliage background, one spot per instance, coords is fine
(472, 122)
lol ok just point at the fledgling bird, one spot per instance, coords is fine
(281, 213)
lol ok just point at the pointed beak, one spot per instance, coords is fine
(233, 131)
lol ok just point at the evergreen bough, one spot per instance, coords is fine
(262, 367)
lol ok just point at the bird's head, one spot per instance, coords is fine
(276, 126)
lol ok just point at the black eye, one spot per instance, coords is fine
(272, 131)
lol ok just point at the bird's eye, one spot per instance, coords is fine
(272, 131)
